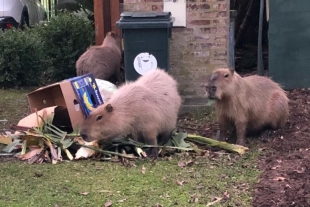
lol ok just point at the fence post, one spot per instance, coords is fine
(99, 21)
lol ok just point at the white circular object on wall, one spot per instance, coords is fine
(144, 62)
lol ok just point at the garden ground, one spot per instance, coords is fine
(283, 163)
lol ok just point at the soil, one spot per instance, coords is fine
(285, 156)
(285, 162)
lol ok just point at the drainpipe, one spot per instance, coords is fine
(233, 15)
(260, 64)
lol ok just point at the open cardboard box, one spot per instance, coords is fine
(70, 100)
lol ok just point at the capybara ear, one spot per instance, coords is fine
(113, 34)
(109, 108)
(231, 70)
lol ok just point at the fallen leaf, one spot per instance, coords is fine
(275, 167)
(108, 203)
(5, 139)
(279, 178)
(226, 194)
(217, 199)
(181, 164)
(143, 169)
(84, 152)
(84, 193)
(30, 154)
(196, 200)
(56, 205)
(180, 182)
(122, 200)
(104, 191)
(158, 205)
(164, 178)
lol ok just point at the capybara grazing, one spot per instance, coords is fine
(103, 61)
(146, 109)
(249, 104)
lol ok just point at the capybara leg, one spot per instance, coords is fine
(151, 139)
(224, 126)
(241, 130)
(164, 137)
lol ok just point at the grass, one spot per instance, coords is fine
(13, 106)
(94, 183)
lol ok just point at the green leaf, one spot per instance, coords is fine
(10, 147)
(178, 140)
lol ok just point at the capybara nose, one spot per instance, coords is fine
(213, 89)
(83, 135)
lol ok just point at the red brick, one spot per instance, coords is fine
(200, 22)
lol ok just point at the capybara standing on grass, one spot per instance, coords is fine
(249, 104)
(146, 109)
(103, 61)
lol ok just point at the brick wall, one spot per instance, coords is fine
(197, 49)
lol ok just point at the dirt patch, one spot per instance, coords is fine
(285, 157)
(285, 180)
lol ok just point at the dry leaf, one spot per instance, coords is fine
(122, 200)
(279, 178)
(104, 191)
(180, 182)
(158, 205)
(226, 194)
(30, 154)
(143, 169)
(164, 178)
(84, 193)
(56, 205)
(108, 203)
(5, 139)
(84, 152)
(217, 199)
(181, 164)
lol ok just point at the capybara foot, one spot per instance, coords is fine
(240, 142)
(152, 153)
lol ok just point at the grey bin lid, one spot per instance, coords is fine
(136, 20)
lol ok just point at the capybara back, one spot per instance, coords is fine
(143, 109)
(247, 104)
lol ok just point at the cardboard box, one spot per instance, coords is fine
(63, 94)
(87, 92)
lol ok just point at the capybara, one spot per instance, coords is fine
(246, 104)
(146, 109)
(103, 61)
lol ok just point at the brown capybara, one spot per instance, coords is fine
(146, 109)
(249, 104)
(103, 61)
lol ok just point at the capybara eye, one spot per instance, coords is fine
(226, 75)
(99, 118)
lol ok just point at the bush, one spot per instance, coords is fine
(22, 58)
(43, 54)
(67, 37)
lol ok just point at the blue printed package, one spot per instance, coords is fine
(87, 92)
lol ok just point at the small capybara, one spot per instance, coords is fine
(103, 61)
(146, 109)
(246, 104)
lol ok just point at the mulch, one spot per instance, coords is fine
(285, 157)
(285, 162)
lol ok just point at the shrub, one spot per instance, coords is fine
(44, 54)
(22, 58)
(66, 37)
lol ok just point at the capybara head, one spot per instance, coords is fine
(99, 125)
(219, 83)
(112, 40)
